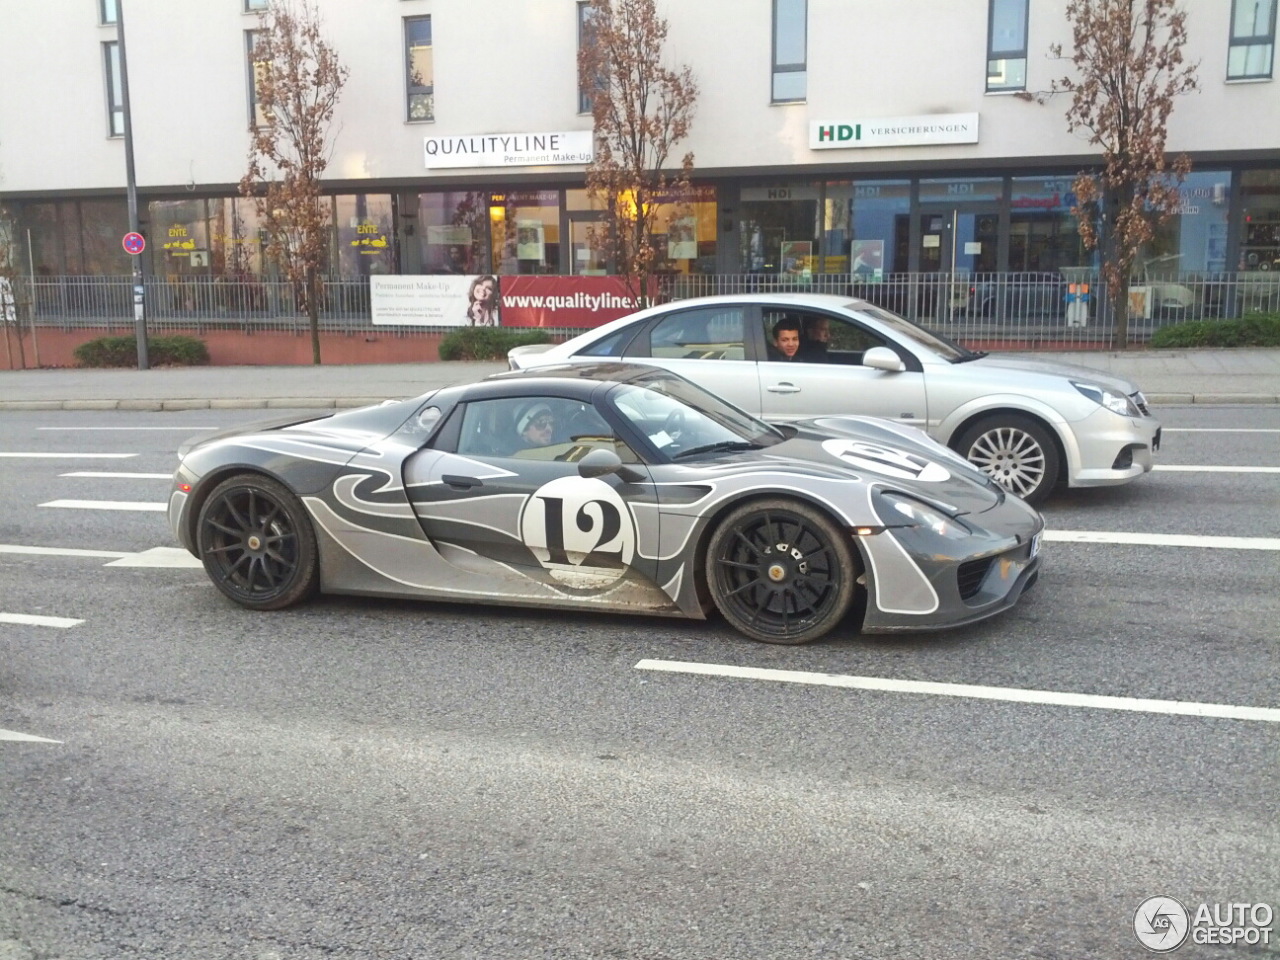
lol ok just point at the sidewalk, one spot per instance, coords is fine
(1248, 375)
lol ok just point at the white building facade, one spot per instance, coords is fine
(832, 136)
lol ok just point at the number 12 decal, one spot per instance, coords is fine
(580, 530)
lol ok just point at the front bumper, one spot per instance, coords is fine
(919, 581)
(1111, 449)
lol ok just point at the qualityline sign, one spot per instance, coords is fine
(894, 131)
(1163, 924)
(533, 301)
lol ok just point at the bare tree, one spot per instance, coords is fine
(11, 286)
(1129, 64)
(298, 80)
(641, 110)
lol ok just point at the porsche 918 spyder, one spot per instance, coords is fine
(610, 487)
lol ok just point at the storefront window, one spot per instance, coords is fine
(1260, 237)
(452, 232)
(525, 231)
(103, 224)
(1194, 240)
(364, 234)
(1044, 236)
(866, 227)
(235, 239)
(780, 229)
(180, 237)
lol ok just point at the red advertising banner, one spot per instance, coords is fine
(563, 301)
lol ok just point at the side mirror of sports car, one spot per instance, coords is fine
(600, 462)
(882, 358)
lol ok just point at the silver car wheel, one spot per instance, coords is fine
(1015, 452)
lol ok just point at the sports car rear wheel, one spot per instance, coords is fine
(1016, 452)
(780, 571)
(257, 543)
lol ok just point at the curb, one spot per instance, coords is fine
(321, 403)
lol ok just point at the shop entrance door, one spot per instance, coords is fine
(956, 242)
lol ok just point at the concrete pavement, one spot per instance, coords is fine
(1246, 375)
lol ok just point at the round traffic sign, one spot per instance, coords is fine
(134, 243)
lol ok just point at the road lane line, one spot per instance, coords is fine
(106, 505)
(1163, 539)
(62, 551)
(1180, 468)
(1185, 708)
(169, 557)
(33, 620)
(1220, 429)
(17, 454)
(108, 475)
(24, 737)
(65, 429)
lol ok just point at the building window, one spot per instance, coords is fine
(255, 6)
(584, 40)
(115, 96)
(256, 72)
(418, 68)
(1007, 45)
(790, 41)
(1253, 38)
(107, 12)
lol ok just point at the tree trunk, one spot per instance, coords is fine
(1118, 291)
(313, 315)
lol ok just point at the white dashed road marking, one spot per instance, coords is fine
(1163, 539)
(108, 475)
(33, 620)
(24, 737)
(62, 551)
(1220, 429)
(1179, 468)
(174, 557)
(159, 557)
(1183, 708)
(106, 505)
(18, 455)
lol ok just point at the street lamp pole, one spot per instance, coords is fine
(139, 311)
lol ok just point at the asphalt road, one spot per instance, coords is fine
(372, 779)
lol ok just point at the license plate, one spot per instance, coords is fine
(1035, 547)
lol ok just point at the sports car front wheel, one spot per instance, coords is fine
(780, 571)
(257, 543)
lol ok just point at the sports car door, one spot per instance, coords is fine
(504, 504)
(823, 375)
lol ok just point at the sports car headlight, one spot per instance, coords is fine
(1115, 402)
(923, 515)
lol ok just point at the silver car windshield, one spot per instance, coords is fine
(921, 337)
(667, 409)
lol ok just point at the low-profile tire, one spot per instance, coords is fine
(1016, 452)
(257, 543)
(780, 571)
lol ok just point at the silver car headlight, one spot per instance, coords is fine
(923, 515)
(1115, 402)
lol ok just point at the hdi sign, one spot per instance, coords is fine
(894, 131)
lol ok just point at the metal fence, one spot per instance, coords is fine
(1017, 308)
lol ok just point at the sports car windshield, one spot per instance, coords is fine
(919, 336)
(679, 417)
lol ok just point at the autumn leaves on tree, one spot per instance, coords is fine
(298, 80)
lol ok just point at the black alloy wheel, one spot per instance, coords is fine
(781, 572)
(257, 543)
